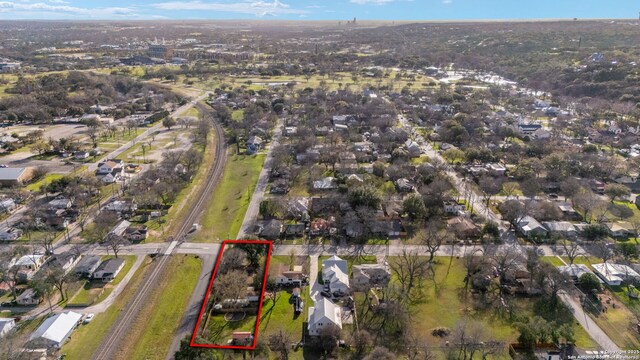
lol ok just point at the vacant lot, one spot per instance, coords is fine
(223, 218)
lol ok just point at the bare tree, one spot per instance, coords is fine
(571, 250)
(115, 243)
(410, 269)
(279, 343)
(432, 238)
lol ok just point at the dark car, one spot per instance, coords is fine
(325, 293)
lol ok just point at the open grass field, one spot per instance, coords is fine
(86, 339)
(161, 317)
(430, 312)
(224, 216)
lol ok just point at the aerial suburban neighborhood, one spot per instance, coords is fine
(289, 188)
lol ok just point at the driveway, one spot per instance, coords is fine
(316, 287)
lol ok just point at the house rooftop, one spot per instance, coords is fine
(9, 174)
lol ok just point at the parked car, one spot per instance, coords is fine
(88, 318)
(325, 293)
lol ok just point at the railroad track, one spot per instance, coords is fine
(112, 341)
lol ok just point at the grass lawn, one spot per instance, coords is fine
(224, 216)
(94, 291)
(553, 260)
(619, 323)
(86, 339)
(428, 313)
(163, 314)
(45, 180)
(278, 315)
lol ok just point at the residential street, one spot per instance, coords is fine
(261, 186)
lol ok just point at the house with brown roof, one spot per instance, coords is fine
(286, 276)
(463, 227)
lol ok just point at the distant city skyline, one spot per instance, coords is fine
(338, 10)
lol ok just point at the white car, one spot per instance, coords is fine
(88, 318)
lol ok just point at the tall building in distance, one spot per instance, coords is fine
(159, 50)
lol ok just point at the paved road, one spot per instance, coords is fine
(258, 194)
(588, 324)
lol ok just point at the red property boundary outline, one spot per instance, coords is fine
(206, 297)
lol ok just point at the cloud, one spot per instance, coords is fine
(371, 2)
(257, 8)
(447, 2)
(21, 8)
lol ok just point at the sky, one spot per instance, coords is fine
(318, 9)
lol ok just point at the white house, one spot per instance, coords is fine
(531, 227)
(564, 228)
(335, 273)
(575, 271)
(368, 275)
(110, 166)
(615, 274)
(55, 330)
(60, 203)
(6, 324)
(28, 298)
(7, 205)
(30, 262)
(287, 277)
(323, 315)
(496, 169)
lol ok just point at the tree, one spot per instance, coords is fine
(269, 208)
(589, 282)
(510, 188)
(102, 226)
(364, 196)
(232, 259)
(328, 338)
(454, 155)
(115, 243)
(410, 269)
(56, 277)
(490, 186)
(513, 211)
(413, 207)
(40, 147)
(229, 285)
(92, 130)
(432, 238)
(279, 342)
(615, 191)
(254, 253)
(380, 353)
(571, 250)
(188, 352)
(169, 122)
(490, 229)
(362, 340)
